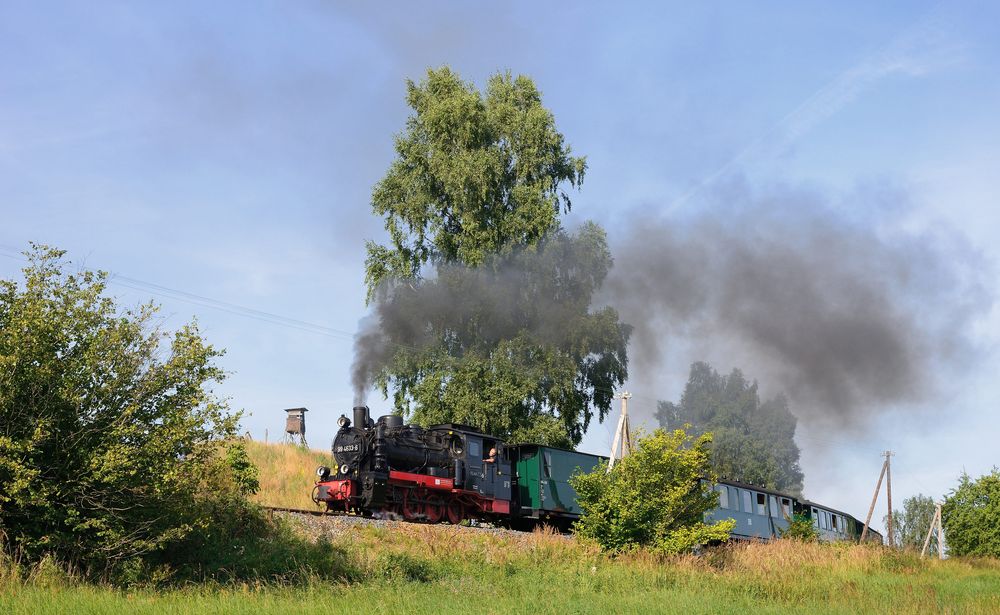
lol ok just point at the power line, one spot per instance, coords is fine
(203, 301)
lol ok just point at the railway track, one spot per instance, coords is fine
(298, 511)
(307, 518)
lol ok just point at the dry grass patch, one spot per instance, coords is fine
(287, 473)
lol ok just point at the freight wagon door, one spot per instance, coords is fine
(557, 467)
(528, 475)
(556, 493)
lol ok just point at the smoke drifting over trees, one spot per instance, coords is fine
(847, 316)
(511, 346)
(753, 440)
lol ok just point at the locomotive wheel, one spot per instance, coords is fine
(456, 512)
(434, 509)
(411, 507)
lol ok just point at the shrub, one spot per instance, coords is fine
(245, 475)
(800, 527)
(111, 444)
(971, 516)
(653, 498)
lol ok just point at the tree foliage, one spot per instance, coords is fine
(475, 175)
(109, 440)
(910, 525)
(971, 516)
(656, 497)
(753, 441)
(498, 333)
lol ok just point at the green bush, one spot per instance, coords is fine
(971, 516)
(245, 475)
(653, 498)
(800, 527)
(112, 445)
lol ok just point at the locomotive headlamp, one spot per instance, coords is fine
(344, 422)
(344, 469)
(323, 472)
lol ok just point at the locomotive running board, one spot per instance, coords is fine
(423, 480)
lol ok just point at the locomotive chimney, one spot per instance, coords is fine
(361, 417)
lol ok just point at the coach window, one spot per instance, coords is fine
(723, 496)
(774, 506)
(761, 505)
(815, 516)
(786, 507)
(834, 517)
(747, 503)
(547, 463)
(734, 499)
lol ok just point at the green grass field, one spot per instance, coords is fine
(454, 570)
(412, 568)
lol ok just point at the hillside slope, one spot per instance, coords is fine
(287, 473)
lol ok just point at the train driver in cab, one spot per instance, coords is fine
(492, 457)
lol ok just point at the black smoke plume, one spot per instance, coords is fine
(848, 314)
(542, 293)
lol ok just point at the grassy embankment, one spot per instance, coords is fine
(287, 473)
(441, 569)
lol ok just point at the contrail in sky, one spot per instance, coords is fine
(917, 50)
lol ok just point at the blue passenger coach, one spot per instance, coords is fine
(764, 514)
(759, 512)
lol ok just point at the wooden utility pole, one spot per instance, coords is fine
(878, 487)
(888, 496)
(623, 434)
(940, 533)
(930, 531)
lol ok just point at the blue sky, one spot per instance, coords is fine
(228, 150)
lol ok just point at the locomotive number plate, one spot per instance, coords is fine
(349, 448)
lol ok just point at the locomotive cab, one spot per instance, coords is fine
(487, 478)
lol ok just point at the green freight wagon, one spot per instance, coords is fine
(543, 488)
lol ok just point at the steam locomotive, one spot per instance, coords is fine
(455, 472)
(446, 472)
